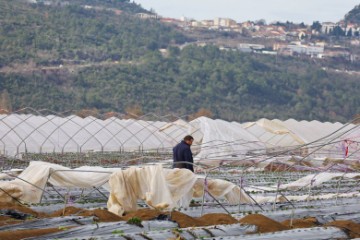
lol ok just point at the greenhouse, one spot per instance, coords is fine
(214, 139)
(255, 177)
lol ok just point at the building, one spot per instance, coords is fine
(224, 22)
(327, 27)
(147, 16)
(314, 51)
(249, 47)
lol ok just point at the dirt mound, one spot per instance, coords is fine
(20, 208)
(67, 211)
(351, 228)
(101, 215)
(207, 220)
(263, 223)
(302, 223)
(184, 220)
(217, 219)
(21, 234)
(143, 214)
(7, 220)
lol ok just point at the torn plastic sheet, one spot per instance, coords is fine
(112, 229)
(317, 233)
(50, 222)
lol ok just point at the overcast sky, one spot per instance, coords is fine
(298, 11)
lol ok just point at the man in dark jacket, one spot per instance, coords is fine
(182, 153)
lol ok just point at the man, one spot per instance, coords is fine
(182, 153)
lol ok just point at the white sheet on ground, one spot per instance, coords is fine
(27, 187)
(159, 188)
(164, 188)
(317, 179)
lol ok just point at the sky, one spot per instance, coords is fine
(306, 11)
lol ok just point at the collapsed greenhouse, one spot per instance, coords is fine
(284, 170)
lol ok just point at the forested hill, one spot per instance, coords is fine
(64, 57)
(354, 15)
(55, 34)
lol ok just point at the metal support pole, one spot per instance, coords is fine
(277, 191)
(241, 186)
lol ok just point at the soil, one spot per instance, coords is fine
(7, 220)
(351, 228)
(264, 224)
(100, 215)
(21, 208)
(143, 214)
(217, 219)
(301, 223)
(207, 220)
(184, 220)
(67, 211)
(21, 234)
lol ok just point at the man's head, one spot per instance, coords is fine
(188, 139)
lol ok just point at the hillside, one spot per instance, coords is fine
(47, 35)
(71, 57)
(354, 15)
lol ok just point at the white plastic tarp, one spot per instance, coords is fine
(29, 185)
(165, 188)
(224, 140)
(36, 134)
(273, 134)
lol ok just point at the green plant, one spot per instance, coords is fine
(135, 221)
(117, 231)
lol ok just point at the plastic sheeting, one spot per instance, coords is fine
(35, 134)
(273, 134)
(159, 188)
(214, 139)
(221, 189)
(29, 185)
(165, 188)
(225, 140)
(335, 140)
(317, 233)
(315, 180)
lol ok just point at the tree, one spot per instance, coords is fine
(338, 31)
(133, 111)
(316, 26)
(5, 103)
(261, 22)
(88, 112)
(202, 112)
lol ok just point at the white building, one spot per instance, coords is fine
(224, 22)
(248, 47)
(327, 27)
(306, 49)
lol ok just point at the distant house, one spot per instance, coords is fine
(337, 51)
(195, 23)
(247, 24)
(327, 27)
(249, 47)
(51, 2)
(147, 15)
(207, 23)
(298, 48)
(224, 22)
(315, 51)
(351, 29)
